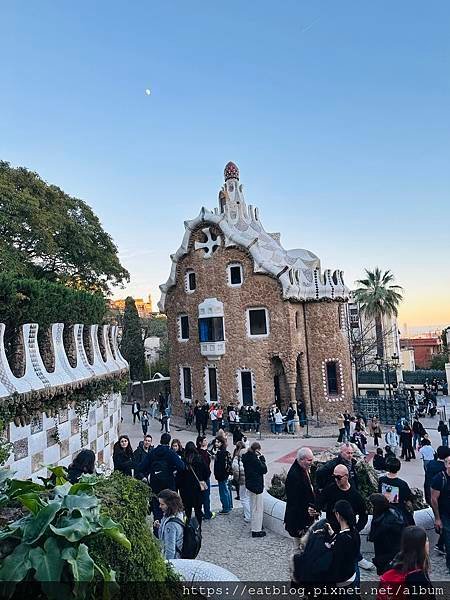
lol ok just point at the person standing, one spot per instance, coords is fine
(255, 468)
(375, 431)
(324, 475)
(123, 455)
(257, 417)
(278, 421)
(443, 430)
(345, 548)
(427, 453)
(140, 454)
(392, 440)
(192, 482)
(202, 447)
(273, 428)
(418, 432)
(222, 471)
(406, 443)
(385, 532)
(239, 477)
(440, 502)
(213, 418)
(198, 417)
(396, 490)
(135, 411)
(144, 422)
(341, 428)
(290, 418)
(301, 506)
(347, 418)
(170, 528)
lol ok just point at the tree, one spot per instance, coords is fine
(438, 361)
(132, 344)
(47, 234)
(378, 297)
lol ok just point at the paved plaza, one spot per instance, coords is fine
(226, 539)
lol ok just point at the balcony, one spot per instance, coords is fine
(212, 350)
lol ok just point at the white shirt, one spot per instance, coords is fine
(278, 418)
(427, 452)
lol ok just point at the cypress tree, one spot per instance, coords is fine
(132, 345)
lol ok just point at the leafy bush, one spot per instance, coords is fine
(47, 545)
(126, 500)
(419, 376)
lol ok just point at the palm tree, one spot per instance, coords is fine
(378, 297)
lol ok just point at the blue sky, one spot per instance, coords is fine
(337, 114)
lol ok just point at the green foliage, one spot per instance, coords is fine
(43, 302)
(126, 500)
(132, 344)
(162, 364)
(438, 361)
(49, 543)
(47, 234)
(155, 327)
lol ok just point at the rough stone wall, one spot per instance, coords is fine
(286, 339)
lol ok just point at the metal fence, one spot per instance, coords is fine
(388, 410)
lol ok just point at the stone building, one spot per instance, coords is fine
(250, 322)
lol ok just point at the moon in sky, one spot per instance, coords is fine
(147, 92)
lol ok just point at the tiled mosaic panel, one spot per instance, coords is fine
(94, 446)
(36, 424)
(51, 433)
(91, 417)
(63, 415)
(84, 439)
(74, 426)
(100, 429)
(65, 448)
(37, 461)
(20, 449)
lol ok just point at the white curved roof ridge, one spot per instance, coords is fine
(298, 270)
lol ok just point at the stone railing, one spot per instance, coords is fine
(273, 520)
(37, 378)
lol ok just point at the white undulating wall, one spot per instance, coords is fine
(35, 446)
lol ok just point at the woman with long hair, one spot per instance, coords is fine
(192, 482)
(202, 447)
(411, 565)
(345, 546)
(84, 462)
(123, 455)
(177, 447)
(239, 478)
(170, 529)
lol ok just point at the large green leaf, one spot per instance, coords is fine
(82, 486)
(114, 531)
(5, 474)
(79, 501)
(77, 530)
(80, 562)
(18, 487)
(47, 561)
(62, 490)
(39, 523)
(32, 501)
(16, 565)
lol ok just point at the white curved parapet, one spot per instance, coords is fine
(274, 510)
(36, 377)
(200, 570)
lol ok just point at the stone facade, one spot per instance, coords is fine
(303, 336)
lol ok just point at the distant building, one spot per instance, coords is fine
(407, 359)
(250, 322)
(425, 347)
(145, 309)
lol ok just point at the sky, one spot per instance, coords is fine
(337, 114)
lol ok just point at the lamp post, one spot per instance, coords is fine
(384, 366)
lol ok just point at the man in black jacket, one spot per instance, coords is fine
(222, 471)
(300, 496)
(160, 464)
(255, 468)
(140, 454)
(324, 475)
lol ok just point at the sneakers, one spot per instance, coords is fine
(258, 534)
(213, 515)
(439, 550)
(366, 564)
(224, 512)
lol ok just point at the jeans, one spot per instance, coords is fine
(278, 427)
(444, 440)
(341, 435)
(273, 427)
(446, 537)
(225, 496)
(291, 426)
(206, 500)
(214, 426)
(245, 501)
(416, 440)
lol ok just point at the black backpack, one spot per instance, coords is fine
(192, 537)
(313, 564)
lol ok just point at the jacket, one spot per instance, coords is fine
(254, 468)
(222, 462)
(138, 457)
(170, 535)
(160, 464)
(391, 438)
(188, 485)
(324, 474)
(238, 470)
(122, 462)
(299, 496)
(385, 533)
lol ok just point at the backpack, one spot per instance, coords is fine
(192, 537)
(392, 586)
(313, 564)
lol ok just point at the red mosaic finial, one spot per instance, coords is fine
(231, 171)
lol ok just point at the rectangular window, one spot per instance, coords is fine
(187, 383)
(235, 275)
(184, 327)
(332, 378)
(192, 283)
(258, 321)
(210, 329)
(247, 389)
(212, 381)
